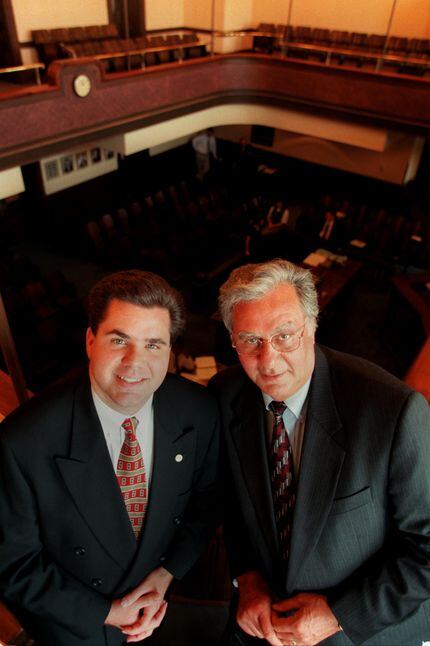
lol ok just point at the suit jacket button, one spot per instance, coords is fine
(96, 583)
(79, 551)
(177, 520)
(162, 559)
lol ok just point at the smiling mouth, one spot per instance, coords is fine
(273, 377)
(131, 380)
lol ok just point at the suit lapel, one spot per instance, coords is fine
(90, 478)
(170, 475)
(320, 465)
(248, 433)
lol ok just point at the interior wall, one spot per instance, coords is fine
(162, 14)
(364, 16)
(235, 15)
(396, 164)
(198, 13)
(411, 17)
(272, 11)
(49, 14)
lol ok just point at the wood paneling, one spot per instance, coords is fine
(53, 117)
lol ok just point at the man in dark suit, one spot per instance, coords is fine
(328, 488)
(107, 483)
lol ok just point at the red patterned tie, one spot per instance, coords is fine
(131, 476)
(282, 475)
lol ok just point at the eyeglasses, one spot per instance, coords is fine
(281, 341)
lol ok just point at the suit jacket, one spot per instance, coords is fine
(66, 544)
(361, 527)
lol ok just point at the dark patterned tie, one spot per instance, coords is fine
(131, 476)
(282, 475)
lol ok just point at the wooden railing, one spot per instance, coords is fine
(36, 67)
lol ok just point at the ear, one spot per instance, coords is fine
(89, 340)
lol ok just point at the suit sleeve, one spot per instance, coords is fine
(240, 551)
(397, 579)
(29, 578)
(202, 512)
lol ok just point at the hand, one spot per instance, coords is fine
(146, 624)
(310, 620)
(254, 610)
(143, 609)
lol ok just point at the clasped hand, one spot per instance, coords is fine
(304, 620)
(141, 611)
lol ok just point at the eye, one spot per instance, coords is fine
(284, 336)
(118, 341)
(252, 340)
(154, 347)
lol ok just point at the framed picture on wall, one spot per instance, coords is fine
(67, 165)
(82, 159)
(51, 169)
(108, 154)
(96, 155)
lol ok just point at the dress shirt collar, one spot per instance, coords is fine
(295, 403)
(111, 418)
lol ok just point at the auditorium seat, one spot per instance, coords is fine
(190, 51)
(123, 220)
(159, 41)
(174, 39)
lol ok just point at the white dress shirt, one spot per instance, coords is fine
(111, 422)
(297, 404)
(204, 144)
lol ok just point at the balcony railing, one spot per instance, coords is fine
(36, 67)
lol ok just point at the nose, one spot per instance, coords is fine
(133, 356)
(268, 358)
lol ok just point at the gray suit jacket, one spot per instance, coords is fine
(66, 544)
(361, 529)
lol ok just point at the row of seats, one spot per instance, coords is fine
(53, 44)
(187, 47)
(372, 43)
(190, 234)
(49, 41)
(74, 34)
(377, 237)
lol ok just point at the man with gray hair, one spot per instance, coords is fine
(328, 480)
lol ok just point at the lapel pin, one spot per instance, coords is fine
(179, 457)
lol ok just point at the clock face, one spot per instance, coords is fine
(82, 85)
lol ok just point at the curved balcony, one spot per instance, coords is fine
(49, 117)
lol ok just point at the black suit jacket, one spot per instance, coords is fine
(66, 544)
(361, 528)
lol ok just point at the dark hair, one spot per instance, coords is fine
(137, 287)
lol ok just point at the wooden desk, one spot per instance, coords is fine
(11, 631)
(412, 288)
(8, 398)
(331, 280)
(418, 376)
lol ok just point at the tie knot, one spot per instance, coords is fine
(277, 408)
(130, 425)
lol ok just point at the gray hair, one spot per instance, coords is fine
(252, 282)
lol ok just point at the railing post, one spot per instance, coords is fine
(284, 50)
(213, 28)
(380, 60)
